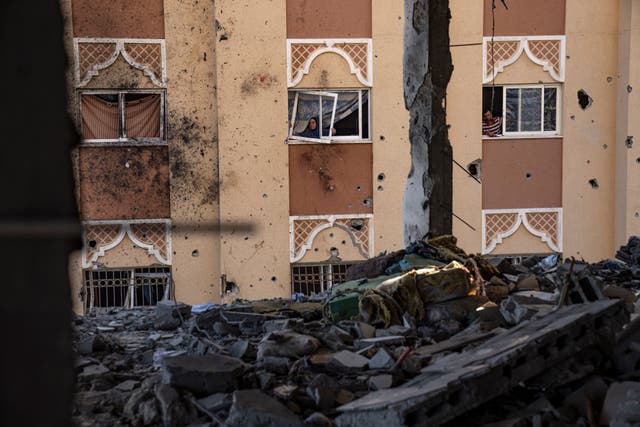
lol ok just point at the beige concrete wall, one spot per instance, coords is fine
(389, 124)
(253, 156)
(329, 70)
(590, 136)
(193, 149)
(523, 71)
(334, 237)
(464, 115)
(522, 242)
(627, 218)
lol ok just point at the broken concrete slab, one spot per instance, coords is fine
(458, 382)
(203, 375)
(216, 402)
(380, 382)
(348, 361)
(254, 408)
(382, 360)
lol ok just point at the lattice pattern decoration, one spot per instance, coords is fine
(152, 235)
(303, 231)
(93, 55)
(543, 223)
(546, 51)
(302, 52)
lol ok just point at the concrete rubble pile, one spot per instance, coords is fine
(424, 336)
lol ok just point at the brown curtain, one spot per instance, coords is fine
(99, 118)
(142, 117)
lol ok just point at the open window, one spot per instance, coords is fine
(122, 116)
(531, 109)
(343, 115)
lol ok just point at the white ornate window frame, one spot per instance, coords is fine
(121, 47)
(361, 68)
(489, 243)
(323, 222)
(90, 256)
(530, 45)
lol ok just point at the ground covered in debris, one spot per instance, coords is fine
(423, 336)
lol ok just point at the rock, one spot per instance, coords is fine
(203, 375)
(287, 344)
(346, 360)
(318, 419)
(382, 360)
(216, 402)
(169, 315)
(323, 391)
(254, 408)
(380, 382)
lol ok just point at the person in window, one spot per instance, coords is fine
(312, 130)
(491, 126)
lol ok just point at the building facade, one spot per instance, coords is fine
(255, 149)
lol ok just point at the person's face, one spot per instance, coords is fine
(487, 116)
(313, 124)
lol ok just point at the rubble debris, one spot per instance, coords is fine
(437, 336)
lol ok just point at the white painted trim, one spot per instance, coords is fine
(542, 86)
(329, 224)
(125, 229)
(293, 81)
(488, 247)
(523, 47)
(119, 43)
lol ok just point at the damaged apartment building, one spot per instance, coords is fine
(256, 149)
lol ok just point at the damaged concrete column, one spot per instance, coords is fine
(427, 70)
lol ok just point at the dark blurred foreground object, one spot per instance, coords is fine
(36, 188)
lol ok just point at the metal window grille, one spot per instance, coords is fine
(312, 279)
(134, 287)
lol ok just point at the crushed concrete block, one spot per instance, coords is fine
(287, 344)
(203, 375)
(169, 315)
(382, 360)
(254, 408)
(380, 382)
(346, 360)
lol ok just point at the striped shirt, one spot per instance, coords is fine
(492, 127)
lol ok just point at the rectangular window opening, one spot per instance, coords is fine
(126, 288)
(343, 115)
(311, 279)
(135, 117)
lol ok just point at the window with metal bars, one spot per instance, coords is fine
(312, 279)
(134, 287)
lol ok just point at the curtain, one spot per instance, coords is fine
(99, 118)
(142, 117)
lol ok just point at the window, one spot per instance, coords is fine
(531, 109)
(325, 116)
(122, 116)
(311, 279)
(126, 288)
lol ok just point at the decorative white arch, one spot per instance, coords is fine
(493, 235)
(547, 51)
(94, 51)
(358, 53)
(315, 224)
(90, 256)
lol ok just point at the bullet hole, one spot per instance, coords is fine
(381, 177)
(246, 238)
(358, 188)
(195, 253)
(367, 201)
(594, 183)
(629, 88)
(273, 278)
(344, 242)
(528, 175)
(637, 215)
(475, 168)
(629, 142)
(588, 161)
(573, 117)
(380, 188)
(584, 99)
(330, 234)
(93, 244)
(638, 160)
(264, 196)
(605, 146)
(315, 250)
(609, 79)
(381, 137)
(204, 56)
(357, 224)
(127, 165)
